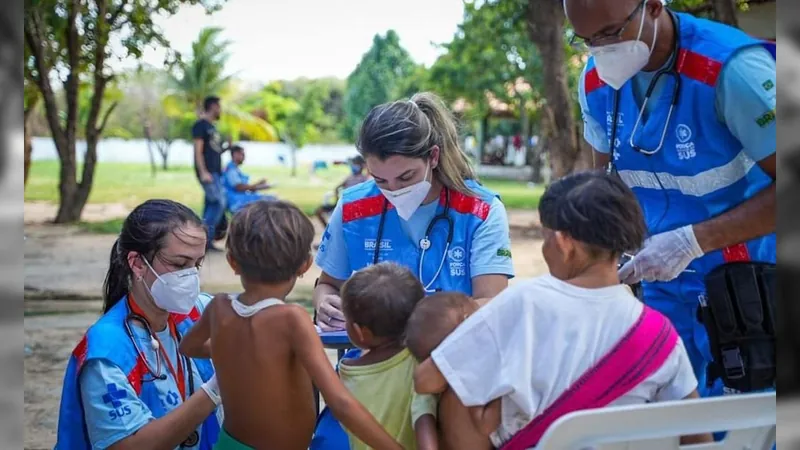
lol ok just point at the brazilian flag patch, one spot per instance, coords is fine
(504, 252)
(766, 119)
(768, 85)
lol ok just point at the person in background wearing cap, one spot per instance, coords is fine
(357, 176)
(689, 105)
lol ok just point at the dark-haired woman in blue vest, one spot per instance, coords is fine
(126, 384)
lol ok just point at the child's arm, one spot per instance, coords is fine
(197, 343)
(486, 418)
(425, 431)
(428, 379)
(349, 411)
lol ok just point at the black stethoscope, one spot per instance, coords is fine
(671, 71)
(425, 242)
(158, 373)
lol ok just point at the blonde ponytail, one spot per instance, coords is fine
(411, 128)
(454, 165)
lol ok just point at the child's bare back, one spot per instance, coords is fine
(268, 394)
(267, 354)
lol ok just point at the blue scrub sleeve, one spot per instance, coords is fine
(332, 254)
(490, 252)
(746, 99)
(594, 133)
(232, 178)
(112, 409)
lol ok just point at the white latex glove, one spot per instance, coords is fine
(212, 389)
(329, 313)
(663, 257)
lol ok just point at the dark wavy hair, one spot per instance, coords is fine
(144, 231)
(596, 209)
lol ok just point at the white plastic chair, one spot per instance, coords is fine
(750, 420)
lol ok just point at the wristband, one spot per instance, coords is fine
(211, 392)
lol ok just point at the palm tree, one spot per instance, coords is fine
(203, 74)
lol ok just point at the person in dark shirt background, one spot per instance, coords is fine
(208, 149)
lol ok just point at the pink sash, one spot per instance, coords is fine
(639, 354)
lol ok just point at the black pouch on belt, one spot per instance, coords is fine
(740, 318)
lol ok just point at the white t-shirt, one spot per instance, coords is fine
(535, 339)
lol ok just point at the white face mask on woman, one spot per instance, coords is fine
(407, 200)
(177, 291)
(617, 63)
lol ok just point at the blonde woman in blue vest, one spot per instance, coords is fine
(423, 208)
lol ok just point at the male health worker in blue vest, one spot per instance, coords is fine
(689, 105)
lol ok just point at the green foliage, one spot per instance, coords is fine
(203, 73)
(488, 53)
(378, 78)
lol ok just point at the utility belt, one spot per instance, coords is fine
(739, 315)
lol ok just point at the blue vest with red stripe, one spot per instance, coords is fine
(107, 339)
(701, 171)
(362, 208)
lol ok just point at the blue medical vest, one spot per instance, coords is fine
(107, 339)
(362, 208)
(701, 171)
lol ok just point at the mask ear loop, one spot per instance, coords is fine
(641, 21)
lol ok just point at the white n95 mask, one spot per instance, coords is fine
(617, 63)
(407, 200)
(177, 291)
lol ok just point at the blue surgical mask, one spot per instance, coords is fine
(355, 169)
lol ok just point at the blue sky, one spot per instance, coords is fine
(287, 39)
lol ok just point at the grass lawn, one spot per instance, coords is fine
(132, 184)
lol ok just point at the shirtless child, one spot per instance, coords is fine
(267, 353)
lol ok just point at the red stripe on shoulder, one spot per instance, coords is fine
(80, 351)
(194, 314)
(699, 67)
(466, 204)
(364, 207)
(592, 81)
(136, 375)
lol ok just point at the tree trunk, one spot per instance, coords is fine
(294, 160)
(163, 150)
(725, 12)
(149, 141)
(545, 19)
(28, 144)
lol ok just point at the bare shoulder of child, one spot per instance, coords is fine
(263, 358)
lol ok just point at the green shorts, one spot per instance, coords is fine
(227, 442)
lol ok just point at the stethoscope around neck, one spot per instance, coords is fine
(158, 373)
(671, 71)
(424, 243)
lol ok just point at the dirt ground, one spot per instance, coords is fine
(64, 270)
